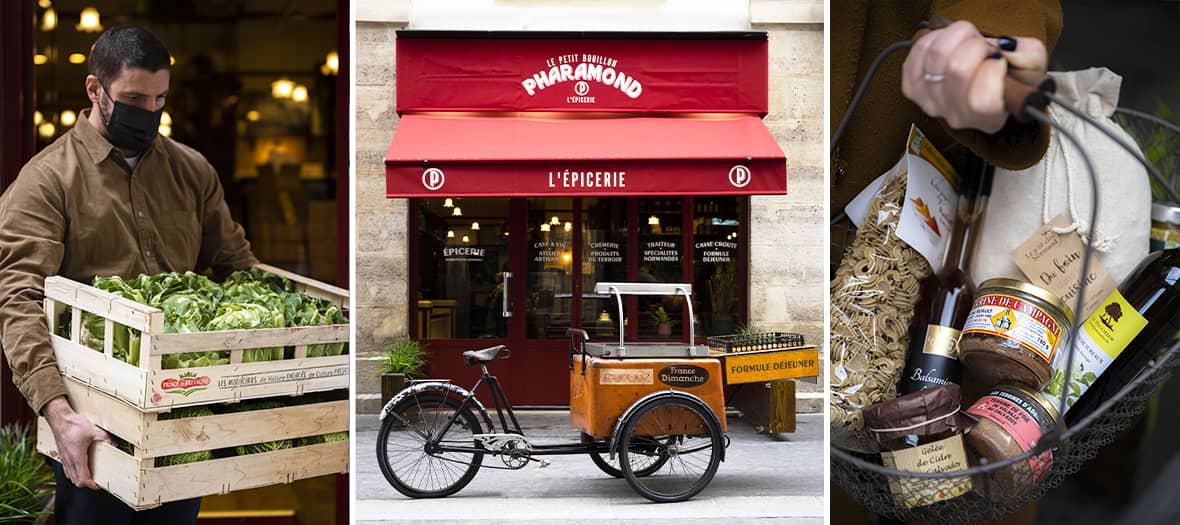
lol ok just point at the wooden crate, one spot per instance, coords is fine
(136, 480)
(770, 407)
(609, 386)
(150, 387)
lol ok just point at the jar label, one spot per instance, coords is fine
(1019, 419)
(944, 455)
(1104, 335)
(1013, 318)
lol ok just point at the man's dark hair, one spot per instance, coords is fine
(130, 46)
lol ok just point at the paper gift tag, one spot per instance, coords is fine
(1053, 261)
(931, 200)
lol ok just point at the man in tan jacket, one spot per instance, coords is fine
(110, 197)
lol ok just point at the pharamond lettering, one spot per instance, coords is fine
(558, 74)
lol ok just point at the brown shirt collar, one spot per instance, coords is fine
(97, 145)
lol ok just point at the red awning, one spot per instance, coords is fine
(454, 156)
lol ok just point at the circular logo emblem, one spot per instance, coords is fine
(739, 176)
(434, 179)
(581, 88)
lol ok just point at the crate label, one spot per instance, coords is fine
(635, 376)
(686, 376)
(771, 366)
(273, 377)
(186, 384)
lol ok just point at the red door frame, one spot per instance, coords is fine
(343, 191)
(532, 358)
(17, 143)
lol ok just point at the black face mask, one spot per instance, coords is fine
(129, 127)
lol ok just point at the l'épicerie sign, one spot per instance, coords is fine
(464, 254)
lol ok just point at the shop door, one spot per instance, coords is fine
(497, 271)
(464, 285)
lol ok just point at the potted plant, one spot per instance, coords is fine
(404, 359)
(25, 480)
(662, 322)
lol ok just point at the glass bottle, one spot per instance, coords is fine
(944, 298)
(1153, 290)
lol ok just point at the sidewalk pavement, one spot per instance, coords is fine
(776, 478)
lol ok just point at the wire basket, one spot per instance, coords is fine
(1004, 487)
(754, 342)
(1159, 141)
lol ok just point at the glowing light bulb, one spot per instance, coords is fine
(458, 212)
(475, 225)
(49, 21)
(653, 220)
(68, 118)
(448, 203)
(282, 88)
(555, 221)
(90, 21)
(450, 234)
(545, 227)
(299, 94)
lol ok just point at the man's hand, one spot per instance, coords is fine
(74, 433)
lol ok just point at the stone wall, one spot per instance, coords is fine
(380, 313)
(787, 253)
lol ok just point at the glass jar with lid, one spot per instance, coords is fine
(1012, 332)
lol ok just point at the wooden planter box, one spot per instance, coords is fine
(136, 480)
(148, 386)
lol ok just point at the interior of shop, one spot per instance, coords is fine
(253, 89)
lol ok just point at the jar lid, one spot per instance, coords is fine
(1028, 288)
(1045, 404)
(1165, 212)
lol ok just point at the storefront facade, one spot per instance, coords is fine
(526, 167)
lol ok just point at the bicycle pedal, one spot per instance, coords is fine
(543, 462)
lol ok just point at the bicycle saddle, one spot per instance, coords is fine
(487, 355)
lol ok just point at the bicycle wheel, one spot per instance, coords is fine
(685, 435)
(646, 466)
(406, 442)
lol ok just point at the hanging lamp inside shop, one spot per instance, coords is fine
(653, 221)
(458, 212)
(282, 88)
(49, 20)
(89, 21)
(545, 227)
(448, 203)
(475, 225)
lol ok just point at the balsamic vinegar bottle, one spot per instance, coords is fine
(944, 298)
(1153, 290)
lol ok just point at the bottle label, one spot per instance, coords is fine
(1021, 420)
(1013, 318)
(933, 360)
(944, 455)
(1104, 335)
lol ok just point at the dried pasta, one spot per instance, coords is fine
(873, 294)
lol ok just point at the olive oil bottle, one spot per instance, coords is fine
(1153, 291)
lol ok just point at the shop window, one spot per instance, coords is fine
(661, 254)
(604, 259)
(716, 264)
(550, 267)
(462, 254)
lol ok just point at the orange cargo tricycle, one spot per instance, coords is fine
(652, 413)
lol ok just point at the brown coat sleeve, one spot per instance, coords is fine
(224, 247)
(32, 229)
(1016, 146)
